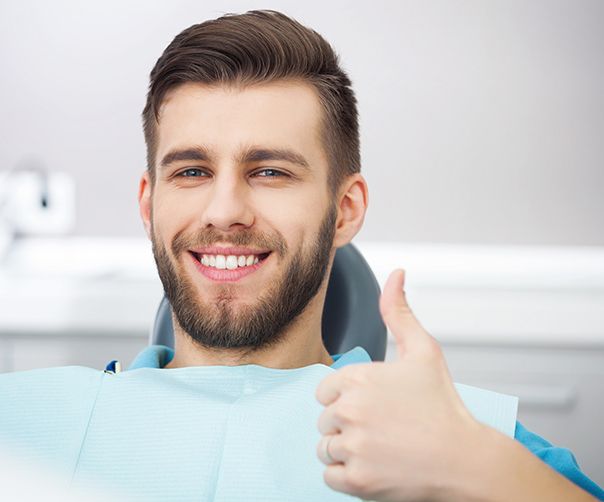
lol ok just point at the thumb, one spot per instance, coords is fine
(397, 314)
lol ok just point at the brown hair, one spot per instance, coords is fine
(255, 47)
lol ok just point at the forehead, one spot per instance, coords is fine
(226, 119)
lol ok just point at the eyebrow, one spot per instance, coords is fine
(196, 153)
(251, 154)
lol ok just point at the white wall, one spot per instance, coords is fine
(481, 121)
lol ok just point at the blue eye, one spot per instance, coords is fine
(187, 173)
(275, 173)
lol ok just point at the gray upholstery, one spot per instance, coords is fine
(351, 315)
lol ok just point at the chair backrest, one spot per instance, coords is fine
(351, 315)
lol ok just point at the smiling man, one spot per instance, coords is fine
(245, 218)
(252, 183)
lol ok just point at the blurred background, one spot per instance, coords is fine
(482, 133)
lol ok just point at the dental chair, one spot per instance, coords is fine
(351, 315)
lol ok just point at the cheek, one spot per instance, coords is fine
(297, 229)
(304, 205)
(172, 211)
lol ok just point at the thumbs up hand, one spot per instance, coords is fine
(396, 431)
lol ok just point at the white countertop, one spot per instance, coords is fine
(523, 295)
(79, 286)
(462, 294)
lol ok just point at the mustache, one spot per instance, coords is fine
(244, 238)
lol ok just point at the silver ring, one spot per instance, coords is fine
(329, 458)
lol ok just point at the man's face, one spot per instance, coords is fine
(222, 181)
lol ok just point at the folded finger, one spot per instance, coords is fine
(324, 451)
(333, 385)
(333, 449)
(335, 477)
(328, 421)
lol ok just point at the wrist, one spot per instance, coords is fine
(480, 468)
(496, 468)
(492, 468)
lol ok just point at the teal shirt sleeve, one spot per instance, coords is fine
(560, 459)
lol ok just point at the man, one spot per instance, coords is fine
(253, 181)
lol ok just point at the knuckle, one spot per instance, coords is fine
(357, 376)
(322, 423)
(324, 389)
(431, 350)
(319, 449)
(334, 478)
(328, 478)
(319, 392)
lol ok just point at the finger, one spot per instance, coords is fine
(328, 422)
(332, 450)
(335, 477)
(328, 389)
(393, 302)
(332, 386)
(397, 314)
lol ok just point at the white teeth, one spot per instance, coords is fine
(230, 262)
(220, 261)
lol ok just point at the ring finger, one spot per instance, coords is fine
(331, 449)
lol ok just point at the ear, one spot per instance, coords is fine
(353, 199)
(144, 201)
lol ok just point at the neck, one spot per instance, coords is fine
(301, 345)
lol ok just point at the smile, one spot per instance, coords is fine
(218, 267)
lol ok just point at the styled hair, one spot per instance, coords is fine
(261, 46)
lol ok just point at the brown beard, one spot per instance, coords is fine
(255, 326)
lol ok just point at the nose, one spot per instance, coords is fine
(227, 204)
